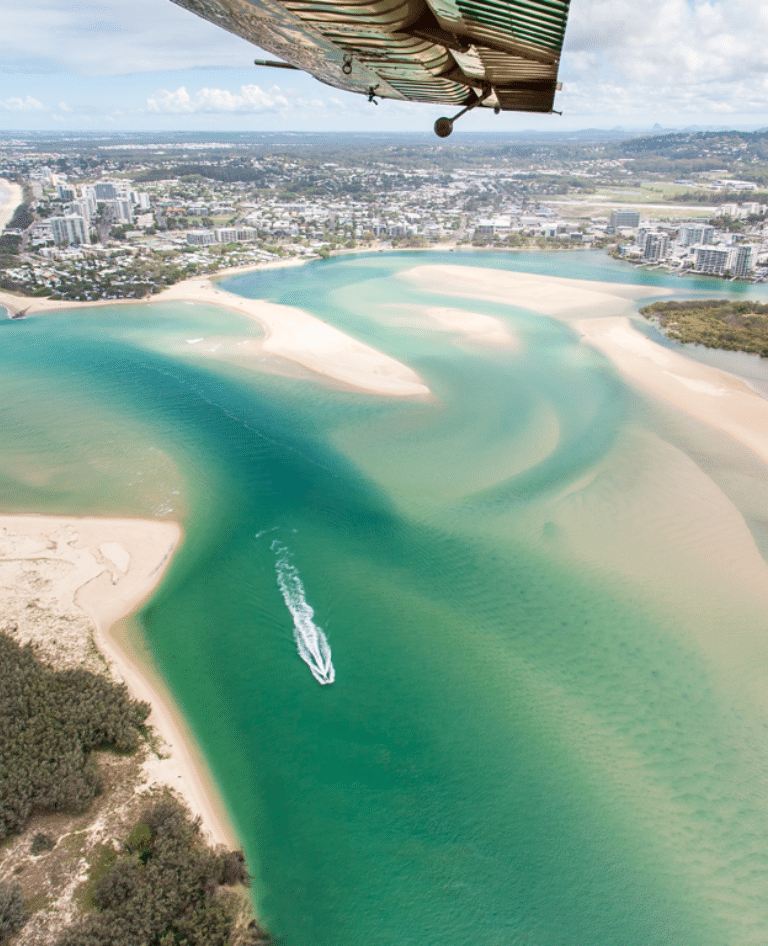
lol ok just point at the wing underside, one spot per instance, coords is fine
(450, 51)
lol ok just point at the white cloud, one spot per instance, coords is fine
(21, 105)
(673, 56)
(250, 99)
(112, 37)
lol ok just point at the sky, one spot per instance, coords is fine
(146, 65)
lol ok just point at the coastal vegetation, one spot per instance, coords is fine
(715, 323)
(13, 911)
(151, 878)
(166, 886)
(51, 721)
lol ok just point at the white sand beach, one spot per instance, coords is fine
(62, 578)
(11, 196)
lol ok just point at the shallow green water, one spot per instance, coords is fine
(521, 745)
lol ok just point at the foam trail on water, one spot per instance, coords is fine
(312, 644)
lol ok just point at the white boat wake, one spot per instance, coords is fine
(311, 643)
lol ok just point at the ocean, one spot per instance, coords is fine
(486, 667)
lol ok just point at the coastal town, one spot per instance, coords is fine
(119, 218)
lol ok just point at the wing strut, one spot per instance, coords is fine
(274, 64)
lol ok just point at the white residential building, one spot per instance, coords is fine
(42, 232)
(88, 193)
(690, 234)
(742, 260)
(625, 218)
(82, 208)
(105, 190)
(712, 259)
(234, 234)
(69, 229)
(200, 237)
(655, 247)
(122, 209)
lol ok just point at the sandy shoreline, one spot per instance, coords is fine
(15, 195)
(308, 341)
(103, 569)
(717, 398)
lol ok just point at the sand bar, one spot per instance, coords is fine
(308, 341)
(565, 299)
(289, 333)
(474, 326)
(713, 396)
(104, 569)
(14, 195)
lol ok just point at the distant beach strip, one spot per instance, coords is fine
(11, 195)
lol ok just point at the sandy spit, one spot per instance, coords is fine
(104, 569)
(288, 332)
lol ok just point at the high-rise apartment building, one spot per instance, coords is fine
(121, 208)
(625, 218)
(105, 190)
(712, 260)
(741, 260)
(690, 234)
(655, 247)
(69, 229)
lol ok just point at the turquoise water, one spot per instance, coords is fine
(527, 741)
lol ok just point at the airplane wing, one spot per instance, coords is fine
(500, 54)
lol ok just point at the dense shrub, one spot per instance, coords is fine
(50, 722)
(13, 912)
(41, 842)
(22, 218)
(163, 889)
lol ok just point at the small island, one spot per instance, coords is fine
(715, 323)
